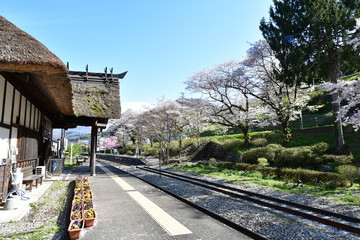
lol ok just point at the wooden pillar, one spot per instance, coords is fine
(94, 132)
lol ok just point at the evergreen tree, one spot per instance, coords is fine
(310, 39)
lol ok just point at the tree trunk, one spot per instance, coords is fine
(198, 138)
(180, 145)
(333, 77)
(339, 134)
(286, 131)
(246, 132)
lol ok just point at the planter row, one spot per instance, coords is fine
(82, 212)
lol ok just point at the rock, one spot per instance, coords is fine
(207, 151)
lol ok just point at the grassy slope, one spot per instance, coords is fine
(352, 140)
(349, 196)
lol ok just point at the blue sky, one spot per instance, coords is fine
(161, 43)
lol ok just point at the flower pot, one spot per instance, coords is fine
(74, 232)
(76, 215)
(89, 221)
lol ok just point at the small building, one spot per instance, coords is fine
(39, 93)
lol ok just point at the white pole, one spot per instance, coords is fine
(71, 145)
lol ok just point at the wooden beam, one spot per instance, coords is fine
(101, 125)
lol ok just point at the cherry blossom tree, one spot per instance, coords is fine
(348, 90)
(259, 77)
(195, 115)
(111, 142)
(124, 127)
(231, 106)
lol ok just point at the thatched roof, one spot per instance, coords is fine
(21, 53)
(69, 98)
(96, 94)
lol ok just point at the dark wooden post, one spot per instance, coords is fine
(94, 132)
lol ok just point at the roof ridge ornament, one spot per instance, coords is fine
(87, 72)
(112, 76)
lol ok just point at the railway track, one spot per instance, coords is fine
(339, 221)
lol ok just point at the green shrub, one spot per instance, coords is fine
(296, 157)
(259, 142)
(312, 177)
(129, 152)
(253, 154)
(212, 162)
(303, 157)
(232, 144)
(339, 159)
(225, 165)
(287, 174)
(174, 148)
(320, 148)
(350, 172)
(246, 167)
(262, 162)
(204, 163)
(269, 171)
(150, 151)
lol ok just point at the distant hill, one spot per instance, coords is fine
(74, 134)
(80, 130)
(79, 133)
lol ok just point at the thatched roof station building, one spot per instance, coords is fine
(39, 93)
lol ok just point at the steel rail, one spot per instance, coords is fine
(260, 202)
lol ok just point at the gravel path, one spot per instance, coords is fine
(270, 223)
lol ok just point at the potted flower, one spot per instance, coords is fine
(76, 206)
(88, 206)
(78, 196)
(89, 217)
(77, 201)
(87, 194)
(76, 215)
(75, 228)
(86, 184)
(87, 200)
(78, 179)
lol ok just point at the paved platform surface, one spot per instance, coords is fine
(128, 208)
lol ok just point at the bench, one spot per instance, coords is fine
(80, 160)
(29, 181)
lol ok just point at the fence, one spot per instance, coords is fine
(301, 123)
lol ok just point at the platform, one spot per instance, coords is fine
(128, 208)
